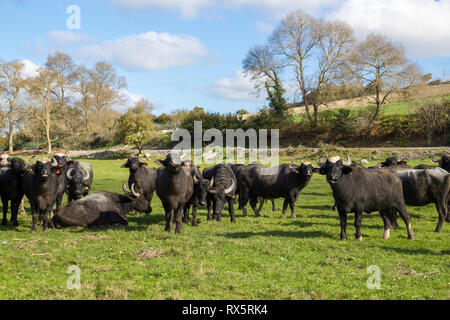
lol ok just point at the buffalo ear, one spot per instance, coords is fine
(70, 163)
(125, 165)
(381, 164)
(160, 162)
(143, 164)
(346, 169)
(403, 163)
(56, 171)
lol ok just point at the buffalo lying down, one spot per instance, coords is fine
(100, 209)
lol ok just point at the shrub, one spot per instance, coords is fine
(434, 118)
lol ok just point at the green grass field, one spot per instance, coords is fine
(255, 258)
(390, 108)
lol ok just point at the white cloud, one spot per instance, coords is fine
(30, 69)
(237, 88)
(421, 25)
(151, 51)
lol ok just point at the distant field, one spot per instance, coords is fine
(398, 107)
(255, 258)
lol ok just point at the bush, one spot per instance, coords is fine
(343, 122)
(434, 118)
(395, 125)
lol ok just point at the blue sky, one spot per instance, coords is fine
(181, 54)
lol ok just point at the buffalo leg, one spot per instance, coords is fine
(285, 205)
(194, 215)
(292, 206)
(46, 215)
(59, 199)
(5, 211)
(253, 203)
(261, 204)
(14, 212)
(208, 205)
(179, 219)
(186, 213)
(274, 208)
(405, 216)
(442, 214)
(243, 200)
(34, 213)
(231, 210)
(169, 213)
(343, 222)
(358, 219)
(387, 223)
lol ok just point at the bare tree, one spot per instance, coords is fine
(63, 66)
(105, 87)
(262, 67)
(82, 84)
(41, 88)
(143, 107)
(11, 85)
(315, 50)
(383, 66)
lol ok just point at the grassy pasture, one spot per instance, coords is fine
(255, 258)
(391, 108)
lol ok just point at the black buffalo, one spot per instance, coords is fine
(40, 186)
(175, 187)
(143, 179)
(237, 169)
(59, 161)
(11, 188)
(99, 210)
(79, 176)
(222, 190)
(357, 189)
(393, 161)
(201, 187)
(284, 181)
(425, 186)
(443, 162)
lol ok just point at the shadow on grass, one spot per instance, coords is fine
(279, 233)
(417, 251)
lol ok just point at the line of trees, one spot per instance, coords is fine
(64, 101)
(317, 55)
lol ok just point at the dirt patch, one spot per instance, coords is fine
(413, 272)
(97, 236)
(149, 254)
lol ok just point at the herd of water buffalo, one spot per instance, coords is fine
(180, 185)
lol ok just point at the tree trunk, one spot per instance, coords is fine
(10, 141)
(47, 132)
(316, 112)
(10, 130)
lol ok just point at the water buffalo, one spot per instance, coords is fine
(425, 186)
(443, 162)
(174, 186)
(357, 189)
(79, 176)
(222, 190)
(285, 181)
(99, 210)
(11, 188)
(201, 187)
(40, 186)
(143, 178)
